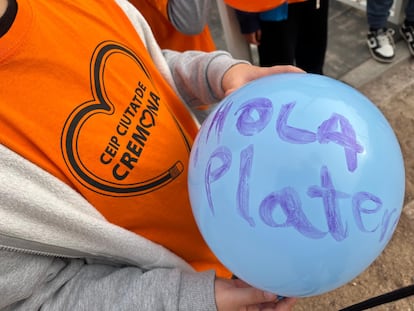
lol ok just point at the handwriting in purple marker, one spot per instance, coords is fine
(246, 160)
(290, 203)
(248, 125)
(327, 132)
(330, 196)
(223, 155)
(255, 114)
(218, 121)
(253, 117)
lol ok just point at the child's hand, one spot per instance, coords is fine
(253, 37)
(236, 295)
(241, 74)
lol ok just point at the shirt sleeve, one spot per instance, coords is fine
(198, 76)
(33, 282)
(189, 17)
(42, 269)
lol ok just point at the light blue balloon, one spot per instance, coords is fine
(296, 182)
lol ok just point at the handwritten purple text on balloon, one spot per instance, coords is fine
(254, 116)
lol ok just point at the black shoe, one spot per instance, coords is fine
(381, 45)
(407, 32)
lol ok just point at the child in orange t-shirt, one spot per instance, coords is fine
(94, 147)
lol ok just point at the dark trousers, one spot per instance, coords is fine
(301, 40)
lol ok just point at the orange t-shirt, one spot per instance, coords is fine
(82, 99)
(167, 36)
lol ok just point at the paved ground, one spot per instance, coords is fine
(391, 88)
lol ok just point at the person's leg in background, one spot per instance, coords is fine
(380, 39)
(407, 28)
(312, 16)
(279, 39)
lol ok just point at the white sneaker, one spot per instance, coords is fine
(407, 32)
(381, 45)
